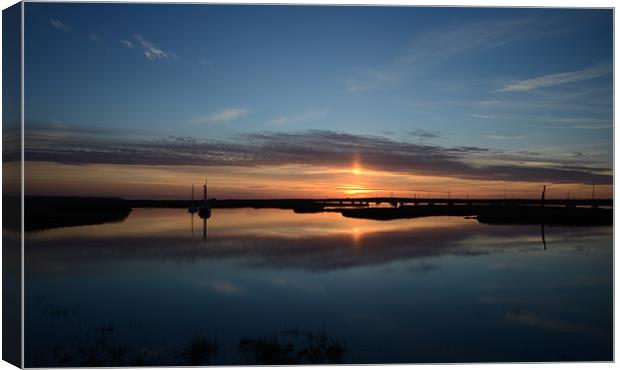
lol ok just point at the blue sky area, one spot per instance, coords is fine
(511, 80)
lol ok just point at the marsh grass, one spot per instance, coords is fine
(199, 351)
(292, 347)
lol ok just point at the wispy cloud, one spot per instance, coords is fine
(431, 48)
(204, 62)
(585, 123)
(557, 79)
(594, 126)
(505, 137)
(444, 43)
(56, 23)
(372, 79)
(226, 115)
(58, 131)
(127, 44)
(287, 120)
(423, 134)
(483, 116)
(150, 50)
(585, 154)
(579, 122)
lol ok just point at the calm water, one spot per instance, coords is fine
(261, 285)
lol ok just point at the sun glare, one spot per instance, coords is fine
(352, 189)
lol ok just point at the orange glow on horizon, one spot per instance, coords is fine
(230, 182)
(353, 189)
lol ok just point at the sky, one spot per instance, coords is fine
(143, 100)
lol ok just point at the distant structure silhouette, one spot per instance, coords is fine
(192, 207)
(204, 211)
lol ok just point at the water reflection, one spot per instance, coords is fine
(443, 289)
(204, 230)
(271, 238)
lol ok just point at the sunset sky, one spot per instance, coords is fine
(141, 101)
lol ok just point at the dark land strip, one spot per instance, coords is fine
(44, 212)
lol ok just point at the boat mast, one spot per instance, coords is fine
(204, 192)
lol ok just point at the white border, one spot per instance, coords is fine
(464, 3)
